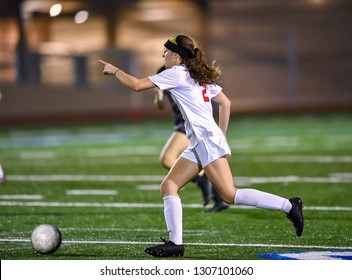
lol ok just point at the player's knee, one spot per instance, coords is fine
(168, 187)
(229, 200)
(228, 197)
(166, 161)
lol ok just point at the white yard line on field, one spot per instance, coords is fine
(187, 231)
(146, 205)
(108, 178)
(91, 192)
(140, 153)
(124, 242)
(297, 159)
(30, 155)
(115, 152)
(22, 196)
(245, 181)
(142, 156)
(45, 162)
(155, 187)
(101, 152)
(241, 180)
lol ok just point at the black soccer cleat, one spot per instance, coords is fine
(169, 249)
(218, 207)
(295, 215)
(206, 186)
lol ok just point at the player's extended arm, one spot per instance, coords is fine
(224, 111)
(126, 79)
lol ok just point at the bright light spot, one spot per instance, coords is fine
(157, 14)
(81, 17)
(317, 2)
(55, 10)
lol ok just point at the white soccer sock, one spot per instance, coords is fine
(261, 199)
(173, 218)
(1, 172)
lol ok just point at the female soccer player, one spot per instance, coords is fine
(177, 143)
(192, 84)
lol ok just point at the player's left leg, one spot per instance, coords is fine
(181, 173)
(172, 149)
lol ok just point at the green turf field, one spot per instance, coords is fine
(99, 184)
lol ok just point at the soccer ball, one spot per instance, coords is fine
(46, 239)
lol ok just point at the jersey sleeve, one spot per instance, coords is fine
(214, 90)
(166, 79)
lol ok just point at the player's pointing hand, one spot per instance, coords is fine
(109, 69)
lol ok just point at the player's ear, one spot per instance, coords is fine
(177, 56)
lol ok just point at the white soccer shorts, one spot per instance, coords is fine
(208, 150)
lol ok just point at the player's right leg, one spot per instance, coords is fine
(219, 205)
(220, 174)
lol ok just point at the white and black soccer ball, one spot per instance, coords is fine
(46, 238)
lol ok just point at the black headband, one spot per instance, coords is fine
(171, 44)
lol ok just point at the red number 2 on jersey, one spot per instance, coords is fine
(204, 93)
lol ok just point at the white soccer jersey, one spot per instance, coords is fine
(194, 101)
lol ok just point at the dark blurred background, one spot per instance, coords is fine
(276, 55)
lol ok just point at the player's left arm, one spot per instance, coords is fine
(128, 80)
(224, 110)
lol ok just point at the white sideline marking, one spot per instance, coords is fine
(295, 159)
(187, 231)
(147, 205)
(38, 155)
(22, 196)
(85, 204)
(342, 175)
(291, 179)
(108, 178)
(275, 141)
(113, 152)
(148, 187)
(333, 178)
(65, 161)
(290, 143)
(124, 242)
(91, 192)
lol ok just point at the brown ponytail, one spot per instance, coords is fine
(199, 70)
